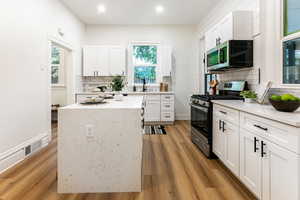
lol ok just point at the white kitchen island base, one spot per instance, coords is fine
(100, 147)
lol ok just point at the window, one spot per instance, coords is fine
(145, 63)
(291, 16)
(291, 62)
(57, 66)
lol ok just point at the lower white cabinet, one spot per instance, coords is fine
(152, 110)
(280, 173)
(269, 169)
(226, 143)
(250, 161)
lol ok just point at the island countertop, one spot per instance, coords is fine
(266, 111)
(128, 102)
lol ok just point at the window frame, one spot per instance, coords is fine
(285, 37)
(61, 69)
(132, 64)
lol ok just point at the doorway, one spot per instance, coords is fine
(60, 78)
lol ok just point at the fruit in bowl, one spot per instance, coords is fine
(285, 102)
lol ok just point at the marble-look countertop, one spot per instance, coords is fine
(266, 111)
(128, 102)
(129, 93)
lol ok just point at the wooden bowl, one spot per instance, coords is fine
(285, 106)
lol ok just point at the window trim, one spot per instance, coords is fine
(132, 65)
(283, 39)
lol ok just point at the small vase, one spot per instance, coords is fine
(248, 100)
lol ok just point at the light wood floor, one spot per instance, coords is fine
(174, 169)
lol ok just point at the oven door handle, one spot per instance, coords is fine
(200, 108)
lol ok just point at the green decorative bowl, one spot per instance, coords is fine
(285, 106)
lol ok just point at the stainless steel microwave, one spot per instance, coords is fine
(230, 54)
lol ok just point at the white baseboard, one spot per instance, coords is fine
(17, 154)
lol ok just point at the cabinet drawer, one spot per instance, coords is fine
(152, 97)
(167, 116)
(227, 114)
(167, 98)
(284, 135)
(167, 106)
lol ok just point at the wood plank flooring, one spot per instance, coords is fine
(173, 169)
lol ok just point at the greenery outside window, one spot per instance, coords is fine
(57, 66)
(145, 63)
(291, 17)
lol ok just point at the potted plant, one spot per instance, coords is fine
(249, 96)
(117, 84)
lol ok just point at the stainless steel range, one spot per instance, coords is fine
(202, 114)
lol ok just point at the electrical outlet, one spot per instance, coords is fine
(89, 131)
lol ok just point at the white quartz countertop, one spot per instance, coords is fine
(129, 102)
(129, 93)
(266, 111)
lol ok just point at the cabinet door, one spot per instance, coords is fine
(166, 61)
(152, 111)
(232, 147)
(117, 61)
(218, 138)
(90, 60)
(226, 29)
(211, 37)
(250, 162)
(280, 173)
(103, 61)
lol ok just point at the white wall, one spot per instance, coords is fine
(183, 39)
(25, 28)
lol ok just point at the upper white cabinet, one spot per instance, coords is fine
(104, 60)
(117, 60)
(166, 61)
(237, 25)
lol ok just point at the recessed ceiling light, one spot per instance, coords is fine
(101, 9)
(159, 9)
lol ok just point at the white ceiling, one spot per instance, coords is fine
(141, 11)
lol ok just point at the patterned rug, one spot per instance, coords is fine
(155, 130)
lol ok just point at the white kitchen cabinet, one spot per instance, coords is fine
(237, 25)
(166, 61)
(250, 161)
(117, 61)
(218, 138)
(90, 60)
(280, 173)
(269, 156)
(226, 139)
(232, 147)
(104, 61)
(152, 108)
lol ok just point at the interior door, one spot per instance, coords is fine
(232, 147)
(218, 138)
(250, 161)
(117, 61)
(280, 173)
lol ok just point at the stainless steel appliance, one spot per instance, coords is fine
(231, 54)
(202, 114)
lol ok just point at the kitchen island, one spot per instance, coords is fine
(100, 147)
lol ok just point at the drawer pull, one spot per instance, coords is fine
(223, 127)
(220, 125)
(260, 127)
(223, 112)
(255, 144)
